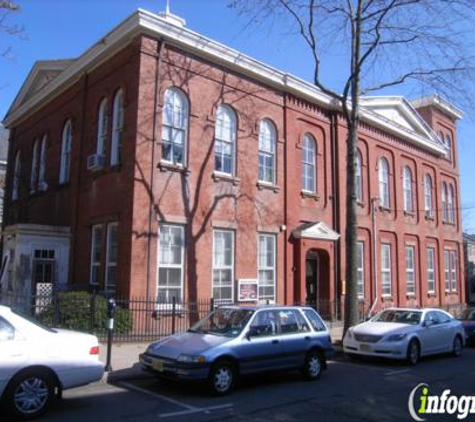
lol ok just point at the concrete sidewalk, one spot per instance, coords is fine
(125, 357)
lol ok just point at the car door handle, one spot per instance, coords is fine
(275, 341)
(307, 337)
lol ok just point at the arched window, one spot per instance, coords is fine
(102, 128)
(309, 155)
(408, 196)
(267, 147)
(225, 140)
(359, 176)
(34, 167)
(450, 204)
(383, 176)
(117, 128)
(42, 173)
(175, 126)
(16, 176)
(444, 202)
(428, 202)
(448, 145)
(66, 146)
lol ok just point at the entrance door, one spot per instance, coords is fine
(311, 277)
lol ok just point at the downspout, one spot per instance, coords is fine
(374, 208)
(152, 167)
(284, 172)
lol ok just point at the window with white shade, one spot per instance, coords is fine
(383, 178)
(448, 145)
(267, 149)
(34, 167)
(42, 185)
(171, 256)
(386, 280)
(223, 265)
(453, 270)
(360, 268)
(96, 249)
(117, 128)
(175, 127)
(450, 205)
(445, 207)
(430, 270)
(447, 270)
(407, 187)
(225, 140)
(266, 267)
(66, 146)
(410, 270)
(102, 128)
(111, 257)
(359, 177)
(428, 201)
(309, 158)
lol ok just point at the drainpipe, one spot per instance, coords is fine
(284, 172)
(374, 208)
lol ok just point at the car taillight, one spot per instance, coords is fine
(94, 350)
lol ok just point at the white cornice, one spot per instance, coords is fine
(439, 103)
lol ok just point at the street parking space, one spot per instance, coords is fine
(350, 390)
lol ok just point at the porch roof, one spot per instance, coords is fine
(318, 230)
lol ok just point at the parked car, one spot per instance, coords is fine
(468, 322)
(400, 333)
(236, 341)
(37, 363)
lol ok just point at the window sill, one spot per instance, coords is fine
(267, 186)
(384, 209)
(429, 217)
(165, 166)
(431, 294)
(224, 177)
(360, 204)
(307, 194)
(411, 296)
(409, 214)
(448, 223)
(386, 298)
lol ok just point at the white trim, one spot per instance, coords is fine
(386, 247)
(272, 236)
(318, 230)
(226, 267)
(92, 263)
(431, 270)
(437, 102)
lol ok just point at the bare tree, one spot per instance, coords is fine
(7, 8)
(385, 43)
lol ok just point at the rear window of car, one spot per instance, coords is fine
(33, 321)
(314, 319)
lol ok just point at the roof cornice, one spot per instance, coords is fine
(440, 104)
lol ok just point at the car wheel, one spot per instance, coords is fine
(313, 366)
(29, 394)
(413, 352)
(222, 378)
(457, 347)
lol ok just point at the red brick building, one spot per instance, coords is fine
(163, 164)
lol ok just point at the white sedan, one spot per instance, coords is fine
(406, 334)
(37, 363)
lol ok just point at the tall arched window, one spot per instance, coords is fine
(42, 173)
(448, 145)
(102, 128)
(359, 176)
(16, 176)
(383, 176)
(444, 202)
(309, 156)
(450, 204)
(117, 128)
(428, 202)
(225, 140)
(66, 146)
(267, 147)
(34, 167)
(175, 126)
(408, 196)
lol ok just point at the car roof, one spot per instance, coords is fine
(259, 307)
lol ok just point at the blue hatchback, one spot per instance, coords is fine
(237, 341)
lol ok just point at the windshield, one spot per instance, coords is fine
(223, 322)
(468, 315)
(398, 316)
(32, 320)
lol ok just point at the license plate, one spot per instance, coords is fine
(158, 365)
(364, 347)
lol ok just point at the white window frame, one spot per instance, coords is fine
(225, 115)
(453, 271)
(386, 287)
(410, 270)
(428, 202)
(359, 176)
(450, 205)
(34, 167)
(66, 146)
(407, 188)
(109, 262)
(180, 266)
(447, 273)
(448, 145)
(383, 182)
(360, 273)
(223, 267)
(93, 263)
(266, 268)
(309, 164)
(267, 151)
(117, 128)
(102, 123)
(42, 186)
(445, 208)
(16, 176)
(431, 276)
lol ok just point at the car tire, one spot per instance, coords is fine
(29, 394)
(457, 346)
(413, 352)
(222, 378)
(313, 366)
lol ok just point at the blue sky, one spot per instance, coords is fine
(57, 29)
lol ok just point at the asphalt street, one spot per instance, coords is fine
(362, 390)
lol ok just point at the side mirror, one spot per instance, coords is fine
(251, 333)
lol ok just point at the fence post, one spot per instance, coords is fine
(56, 308)
(173, 314)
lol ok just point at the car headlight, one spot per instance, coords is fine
(397, 337)
(349, 334)
(191, 359)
